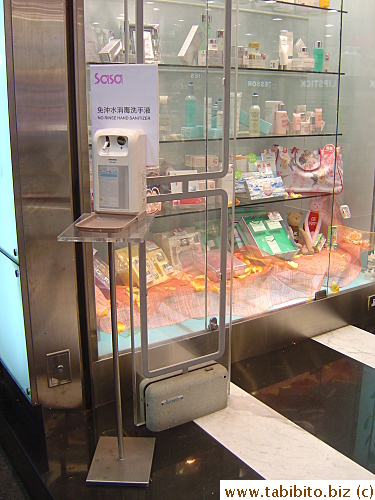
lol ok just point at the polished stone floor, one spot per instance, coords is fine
(303, 412)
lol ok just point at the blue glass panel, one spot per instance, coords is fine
(12, 331)
(8, 234)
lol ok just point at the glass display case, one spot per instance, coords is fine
(295, 229)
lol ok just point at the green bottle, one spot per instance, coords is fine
(190, 107)
(203, 28)
(318, 54)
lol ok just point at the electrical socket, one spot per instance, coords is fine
(370, 302)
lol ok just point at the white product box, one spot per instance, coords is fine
(176, 187)
(109, 53)
(257, 63)
(308, 63)
(215, 58)
(199, 161)
(297, 64)
(190, 47)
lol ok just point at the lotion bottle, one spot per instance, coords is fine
(190, 107)
(282, 120)
(254, 116)
(318, 54)
(164, 121)
(219, 116)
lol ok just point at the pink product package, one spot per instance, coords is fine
(213, 264)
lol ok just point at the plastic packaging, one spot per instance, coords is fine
(213, 264)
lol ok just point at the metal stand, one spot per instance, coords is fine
(120, 460)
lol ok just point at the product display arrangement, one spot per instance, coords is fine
(293, 235)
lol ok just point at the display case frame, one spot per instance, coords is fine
(333, 310)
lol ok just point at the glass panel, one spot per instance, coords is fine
(353, 208)
(12, 341)
(284, 151)
(183, 294)
(183, 247)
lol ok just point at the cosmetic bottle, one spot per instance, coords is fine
(214, 115)
(190, 107)
(220, 39)
(219, 116)
(254, 116)
(206, 26)
(318, 54)
(282, 120)
(296, 123)
(207, 114)
(283, 50)
(164, 120)
(318, 119)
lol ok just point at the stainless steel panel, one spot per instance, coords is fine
(40, 87)
(296, 323)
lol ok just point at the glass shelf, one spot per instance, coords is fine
(277, 3)
(169, 211)
(245, 135)
(218, 69)
(134, 233)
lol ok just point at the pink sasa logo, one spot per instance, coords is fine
(108, 79)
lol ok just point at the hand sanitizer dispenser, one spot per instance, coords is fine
(119, 171)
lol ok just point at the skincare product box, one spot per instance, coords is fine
(308, 64)
(274, 64)
(215, 57)
(189, 133)
(189, 49)
(319, 243)
(110, 52)
(297, 64)
(272, 187)
(298, 46)
(199, 161)
(274, 238)
(257, 63)
(212, 259)
(270, 113)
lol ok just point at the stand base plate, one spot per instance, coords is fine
(135, 468)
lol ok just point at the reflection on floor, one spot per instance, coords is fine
(302, 412)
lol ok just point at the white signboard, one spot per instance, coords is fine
(126, 96)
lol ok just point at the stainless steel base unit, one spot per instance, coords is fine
(134, 468)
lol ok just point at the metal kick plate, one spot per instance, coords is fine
(135, 468)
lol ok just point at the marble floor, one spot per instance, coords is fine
(302, 412)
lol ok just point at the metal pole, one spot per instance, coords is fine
(131, 299)
(139, 30)
(125, 45)
(116, 365)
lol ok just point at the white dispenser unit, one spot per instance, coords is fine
(119, 171)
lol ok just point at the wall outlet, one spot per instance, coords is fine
(58, 368)
(370, 302)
